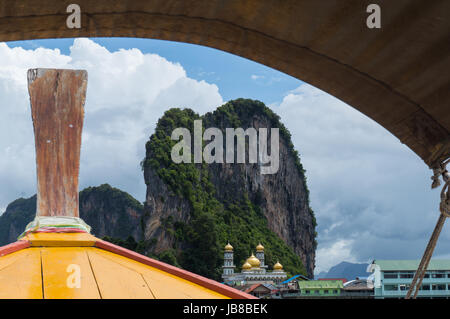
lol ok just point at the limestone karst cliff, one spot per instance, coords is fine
(192, 209)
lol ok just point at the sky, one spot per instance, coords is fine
(370, 193)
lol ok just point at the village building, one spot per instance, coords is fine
(320, 288)
(392, 278)
(358, 289)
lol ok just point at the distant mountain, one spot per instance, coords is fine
(346, 270)
(321, 274)
(17, 215)
(109, 211)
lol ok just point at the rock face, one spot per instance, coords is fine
(109, 212)
(161, 204)
(17, 215)
(282, 198)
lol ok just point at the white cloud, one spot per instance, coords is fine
(257, 77)
(327, 257)
(368, 190)
(127, 92)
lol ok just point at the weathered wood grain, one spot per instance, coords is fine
(57, 106)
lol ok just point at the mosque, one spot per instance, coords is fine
(254, 270)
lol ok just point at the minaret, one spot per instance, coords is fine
(228, 266)
(260, 256)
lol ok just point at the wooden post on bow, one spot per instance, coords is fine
(57, 106)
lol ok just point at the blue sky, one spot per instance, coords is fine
(370, 193)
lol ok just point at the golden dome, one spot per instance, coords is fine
(253, 261)
(228, 247)
(246, 266)
(278, 266)
(260, 247)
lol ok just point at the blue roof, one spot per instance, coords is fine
(295, 277)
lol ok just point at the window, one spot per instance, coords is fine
(407, 275)
(316, 292)
(326, 291)
(437, 276)
(425, 287)
(437, 287)
(307, 292)
(390, 275)
(335, 291)
(391, 287)
(404, 287)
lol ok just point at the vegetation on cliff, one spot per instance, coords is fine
(17, 215)
(198, 244)
(111, 212)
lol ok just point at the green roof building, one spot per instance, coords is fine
(320, 288)
(392, 278)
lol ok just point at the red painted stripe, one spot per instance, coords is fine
(59, 230)
(13, 247)
(199, 280)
